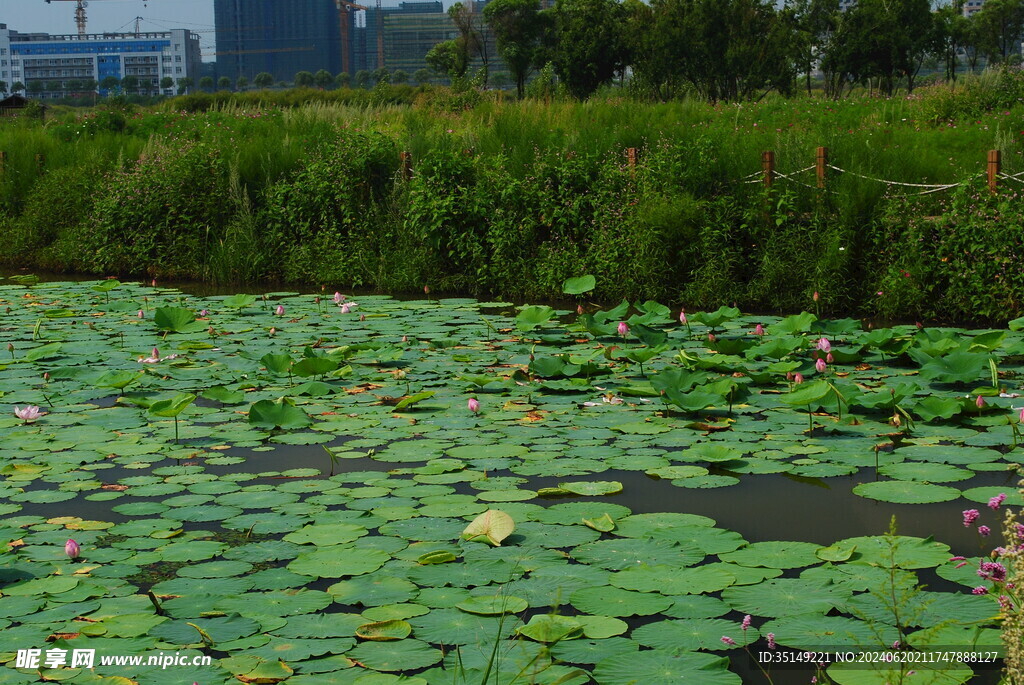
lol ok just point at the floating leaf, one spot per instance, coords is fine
(494, 525)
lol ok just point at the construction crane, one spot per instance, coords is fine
(80, 6)
(344, 9)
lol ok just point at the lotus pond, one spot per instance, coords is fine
(300, 489)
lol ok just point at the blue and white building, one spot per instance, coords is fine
(41, 60)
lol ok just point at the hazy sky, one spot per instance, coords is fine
(112, 15)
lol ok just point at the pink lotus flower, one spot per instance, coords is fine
(29, 413)
(280, 310)
(473, 405)
(824, 345)
(72, 549)
(682, 316)
(980, 402)
(346, 308)
(155, 353)
(204, 313)
(820, 365)
(623, 329)
(758, 329)
(338, 297)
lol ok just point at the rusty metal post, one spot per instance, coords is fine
(995, 165)
(821, 164)
(768, 166)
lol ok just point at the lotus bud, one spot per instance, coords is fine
(316, 300)
(280, 310)
(1022, 415)
(789, 376)
(273, 330)
(153, 283)
(579, 309)
(758, 329)
(141, 315)
(919, 325)
(623, 329)
(46, 376)
(10, 347)
(426, 290)
(682, 316)
(362, 317)
(72, 549)
(980, 402)
(816, 297)
(211, 331)
(829, 358)
(798, 378)
(820, 365)
(473, 405)
(405, 338)
(824, 345)
(712, 339)
(155, 354)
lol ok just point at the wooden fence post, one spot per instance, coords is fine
(40, 161)
(406, 159)
(631, 160)
(3, 162)
(995, 164)
(821, 163)
(768, 166)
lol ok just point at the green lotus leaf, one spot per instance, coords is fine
(492, 525)
(663, 666)
(493, 605)
(281, 413)
(176, 320)
(550, 628)
(906, 492)
(384, 631)
(579, 285)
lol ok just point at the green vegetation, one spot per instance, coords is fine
(311, 489)
(510, 197)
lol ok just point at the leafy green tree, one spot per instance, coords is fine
(130, 84)
(166, 82)
(471, 42)
(74, 86)
(591, 45)
(421, 77)
(344, 79)
(323, 79)
(814, 23)
(36, 87)
(206, 83)
(18, 87)
(224, 83)
(381, 75)
(1000, 24)
(880, 42)
(3, 87)
(265, 80)
(55, 86)
(184, 84)
(517, 27)
(90, 85)
(950, 36)
(242, 83)
(304, 79)
(399, 77)
(448, 59)
(110, 83)
(362, 78)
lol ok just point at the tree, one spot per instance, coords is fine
(55, 86)
(90, 85)
(74, 86)
(446, 58)
(303, 79)
(362, 78)
(999, 25)
(206, 83)
(381, 75)
(264, 80)
(184, 84)
(166, 82)
(814, 23)
(591, 47)
(950, 37)
(3, 86)
(470, 42)
(421, 77)
(224, 83)
(110, 83)
(322, 79)
(517, 28)
(343, 79)
(36, 87)
(130, 83)
(18, 87)
(242, 83)
(399, 77)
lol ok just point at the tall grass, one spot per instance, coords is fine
(511, 197)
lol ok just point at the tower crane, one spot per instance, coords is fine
(80, 6)
(345, 7)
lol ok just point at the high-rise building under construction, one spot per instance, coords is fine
(279, 37)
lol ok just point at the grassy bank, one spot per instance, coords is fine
(510, 198)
